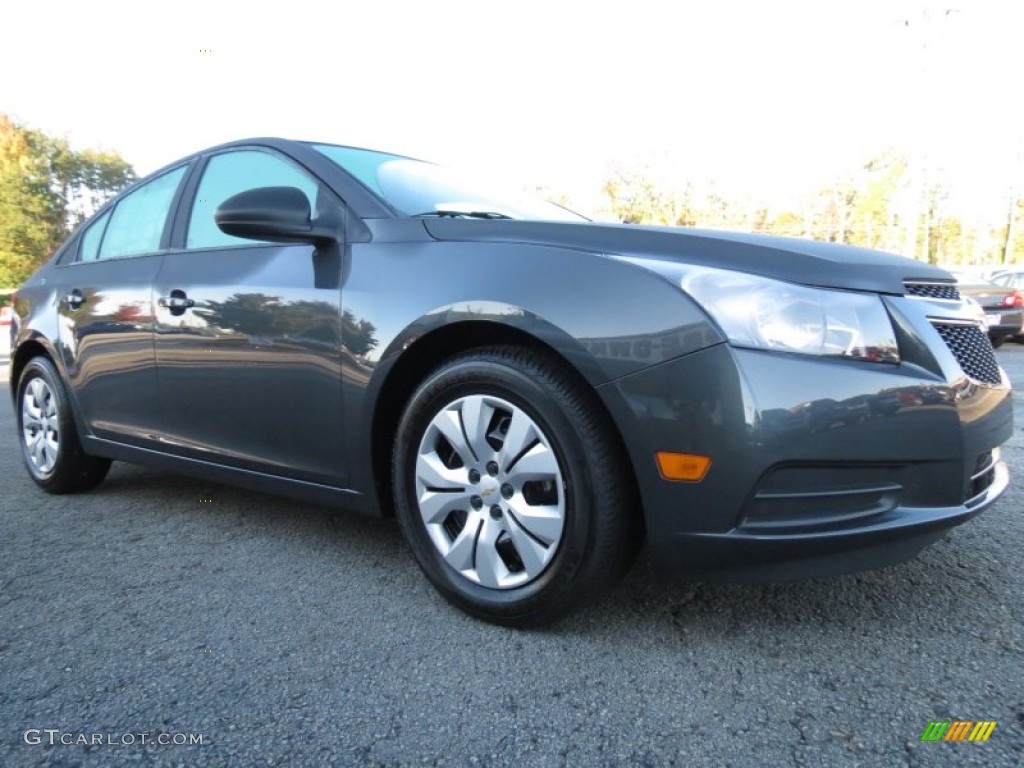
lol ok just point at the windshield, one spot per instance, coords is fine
(416, 188)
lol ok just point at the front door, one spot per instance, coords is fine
(248, 336)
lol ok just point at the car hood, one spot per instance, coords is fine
(809, 262)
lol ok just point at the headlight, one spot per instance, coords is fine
(759, 312)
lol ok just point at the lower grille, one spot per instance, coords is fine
(972, 350)
(791, 499)
(984, 475)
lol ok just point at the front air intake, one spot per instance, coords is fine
(972, 349)
(947, 291)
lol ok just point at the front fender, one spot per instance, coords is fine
(605, 317)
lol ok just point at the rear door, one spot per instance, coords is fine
(106, 312)
(248, 334)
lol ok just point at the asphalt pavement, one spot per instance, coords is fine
(167, 621)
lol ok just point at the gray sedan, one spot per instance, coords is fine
(533, 395)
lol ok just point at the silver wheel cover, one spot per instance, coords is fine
(40, 433)
(490, 492)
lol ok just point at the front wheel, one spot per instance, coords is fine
(49, 440)
(511, 489)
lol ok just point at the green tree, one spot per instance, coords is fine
(882, 184)
(88, 179)
(1011, 247)
(788, 223)
(888, 203)
(636, 199)
(46, 190)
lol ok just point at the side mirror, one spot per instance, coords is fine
(277, 214)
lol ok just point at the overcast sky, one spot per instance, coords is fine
(763, 96)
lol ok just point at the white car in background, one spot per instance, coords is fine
(5, 332)
(1010, 278)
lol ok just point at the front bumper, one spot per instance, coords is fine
(891, 536)
(819, 466)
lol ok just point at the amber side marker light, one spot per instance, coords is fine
(689, 467)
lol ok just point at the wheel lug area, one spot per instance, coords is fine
(507, 491)
(492, 468)
(496, 512)
(474, 476)
(476, 502)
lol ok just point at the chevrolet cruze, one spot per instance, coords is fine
(531, 394)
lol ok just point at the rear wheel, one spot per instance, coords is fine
(511, 489)
(49, 439)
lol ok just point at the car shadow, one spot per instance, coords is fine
(644, 605)
(907, 599)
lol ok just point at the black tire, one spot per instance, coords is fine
(998, 341)
(67, 468)
(600, 523)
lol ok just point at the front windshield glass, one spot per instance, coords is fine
(416, 188)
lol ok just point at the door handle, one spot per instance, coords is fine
(177, 302)
(75, 299)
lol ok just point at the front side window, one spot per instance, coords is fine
(137, 223)
(233, 172)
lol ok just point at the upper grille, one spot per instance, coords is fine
(933, 290)
(972, 349)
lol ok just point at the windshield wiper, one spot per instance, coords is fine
(457, 213)
(460, 210)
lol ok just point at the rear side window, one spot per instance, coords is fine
(233, 172)
(1009, 280)
(137, 223)
(90, 248)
